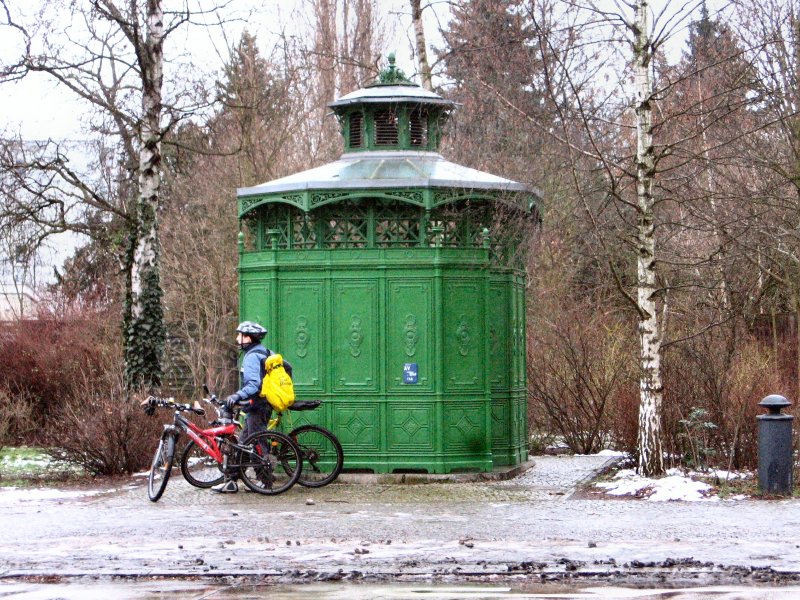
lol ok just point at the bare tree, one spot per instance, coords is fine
(651, 458)
(341, 53)
(624, 165)
(113, 60)
(18, 267)
(770, 173)
(658, 159)
(251, 138)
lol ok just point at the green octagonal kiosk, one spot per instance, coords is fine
(377, 279)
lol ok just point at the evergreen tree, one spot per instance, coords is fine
(489, 56)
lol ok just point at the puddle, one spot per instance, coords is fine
(200, 590)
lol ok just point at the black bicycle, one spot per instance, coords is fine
(323, 457)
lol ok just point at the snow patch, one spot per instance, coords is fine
(673, 487)
(15, 494)
(611, 453)
(728, 475)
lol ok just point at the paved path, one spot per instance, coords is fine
(530, 526)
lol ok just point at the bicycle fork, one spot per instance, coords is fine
(170, 431)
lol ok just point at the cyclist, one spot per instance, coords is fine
(256, 409)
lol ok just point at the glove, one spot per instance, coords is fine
(231, 401)
(149, 406)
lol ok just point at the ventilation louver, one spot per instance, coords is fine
(386, 128)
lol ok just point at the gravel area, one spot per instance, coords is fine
(530, 525)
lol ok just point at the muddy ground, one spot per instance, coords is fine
(533, 528)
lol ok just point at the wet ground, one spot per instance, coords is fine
(530, 530)
(183, 590)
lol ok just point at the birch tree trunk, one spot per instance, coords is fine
(422, 52)
(651, 461)
(145, 334)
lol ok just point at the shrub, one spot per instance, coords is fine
(16, 417)
(40, 360)
(713, 384)
(583, 375)
(623, 418)
(102, 428)
(577, 369)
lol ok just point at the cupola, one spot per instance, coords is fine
(392, 114)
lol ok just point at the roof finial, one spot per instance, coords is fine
(391, 75)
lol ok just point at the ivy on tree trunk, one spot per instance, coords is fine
(144, 324)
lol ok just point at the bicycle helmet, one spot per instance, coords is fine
(252, 329)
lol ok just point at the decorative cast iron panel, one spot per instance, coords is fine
(464, 334)
(354, 335)
(357, 427)
(302, 305)
(409, 333)
(465, 427)
(254, 298)
(410, 428)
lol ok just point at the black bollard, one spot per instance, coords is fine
(775, 447)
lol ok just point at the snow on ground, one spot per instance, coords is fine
(26, 463)
(10, 495)
(15, 494)
(675, 486)
(607, 452)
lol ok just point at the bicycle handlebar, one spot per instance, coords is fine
(212, 398)
(154, 401)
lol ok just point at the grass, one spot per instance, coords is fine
(736, 486)
(24, 466)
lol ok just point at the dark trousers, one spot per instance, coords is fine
(255, 422)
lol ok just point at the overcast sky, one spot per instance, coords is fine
(38, 109)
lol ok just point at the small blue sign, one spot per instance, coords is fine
(410, 373)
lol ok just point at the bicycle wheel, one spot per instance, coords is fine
(161, 468)
(198, 468)
(322, 454)
(260, 465)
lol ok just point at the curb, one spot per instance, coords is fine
(601, 470)
(498, 474)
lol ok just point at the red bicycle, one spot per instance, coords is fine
(267, 462)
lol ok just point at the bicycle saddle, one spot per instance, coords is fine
(305, 404)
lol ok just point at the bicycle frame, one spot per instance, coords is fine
(206, 438)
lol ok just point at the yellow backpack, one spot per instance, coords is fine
(277, 386)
